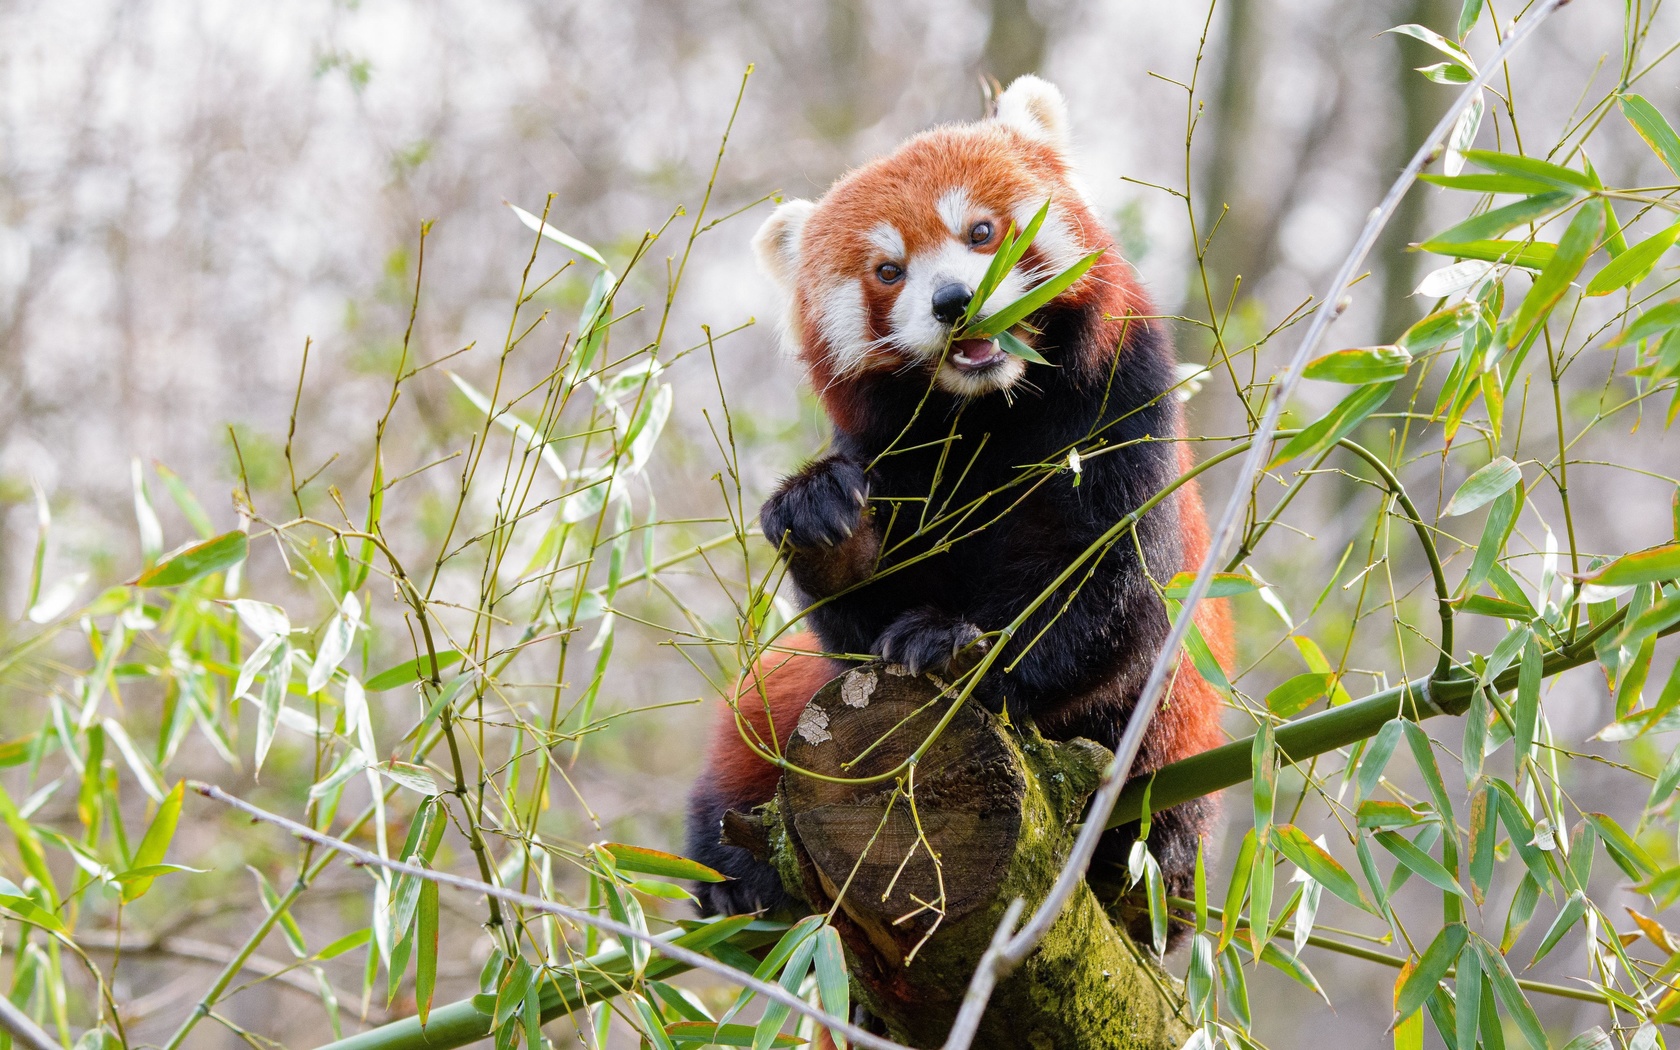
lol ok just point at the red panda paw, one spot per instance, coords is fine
(820, 507)
(926, 639)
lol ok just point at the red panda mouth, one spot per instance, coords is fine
(975, 355)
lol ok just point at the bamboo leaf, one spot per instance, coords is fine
(1510, 995)
(1334, 425)
(410, 671)
(1530, 168)
(1633, 265)
(646, 861)
(1530, 255)
(1490, 224)
(1298, 693)
(154, 846)
(1654, 129)
(1432, 966)
(1652, 565)
(426, 940)
(1567, 917)
(1007, 317)
(1576, 244)
(833, 985)
(1369, 364)
(1527, 712)
(1483, 486)
(1312, 858)
(197, 561)
(1418, 862)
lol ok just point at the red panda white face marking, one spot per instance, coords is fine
(879, 271)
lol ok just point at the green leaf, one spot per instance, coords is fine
(1482, 486)
(1019, 310)
(1491, 224)
(425, 963)
(410, 671)
(793, 975)
(1654, 129)
(1447, 73)
(1431, 968)
(155, 845)
(1335, 425)
(1531, 168)
(1567, 917)
(1223, 585)
(565, 240)
(834, 988)
(1379, 813)
(1666, 782)
(1629, 855)
(1527, 712)
(1369, 364)
(1436, 41)
(1299, 693)
(1477, 182)
(1652, 565)
(1576, 244)
(1010, 344)
(1633, 265)
(1495, 531)
(1528, 255)
(1010, 250)
(1485, 605)
(1438, 328)
(1510, 995)
(1467, 15)
(1418, 862)
(1312, 858)
(197, 561)
(1652, 322)
(657, 862)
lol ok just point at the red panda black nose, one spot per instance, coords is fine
(950, 300)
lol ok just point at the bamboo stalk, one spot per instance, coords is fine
(1303, 738)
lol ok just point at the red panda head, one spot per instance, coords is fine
(878, 269)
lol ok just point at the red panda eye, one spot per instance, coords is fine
(980, 232)
(889, 272)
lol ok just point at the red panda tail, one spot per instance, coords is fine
(774, 694)
(1190, 722)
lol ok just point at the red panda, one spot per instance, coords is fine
(948, 500)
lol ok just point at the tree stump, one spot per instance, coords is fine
(924, 865)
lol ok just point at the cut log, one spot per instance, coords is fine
(923, 865)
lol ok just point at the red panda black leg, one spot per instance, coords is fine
(753, 884)
(820, 518)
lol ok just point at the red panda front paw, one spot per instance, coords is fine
(928, 640)
(819, 507)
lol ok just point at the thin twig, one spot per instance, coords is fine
(772, 992)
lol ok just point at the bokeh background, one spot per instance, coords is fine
(190, 190)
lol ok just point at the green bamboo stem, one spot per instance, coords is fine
(565, 991)
(1303, 738)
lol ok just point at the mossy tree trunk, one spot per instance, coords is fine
(924, 866)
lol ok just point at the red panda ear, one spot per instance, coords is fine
(777, 242)
(1035, 108)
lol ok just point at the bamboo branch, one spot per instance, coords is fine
(1303, 738)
